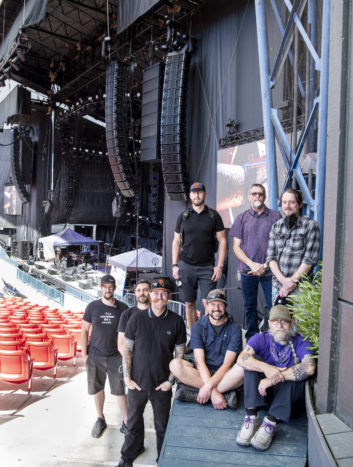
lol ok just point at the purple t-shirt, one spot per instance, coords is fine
(276, 354)
(253, 230)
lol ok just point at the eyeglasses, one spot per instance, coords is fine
(257, 193)
(160, 293)
(282, 322)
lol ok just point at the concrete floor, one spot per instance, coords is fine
(52, 426)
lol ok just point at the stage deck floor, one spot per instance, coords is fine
(200, 436)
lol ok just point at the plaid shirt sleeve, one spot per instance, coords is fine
(312, 247)
(271, 254)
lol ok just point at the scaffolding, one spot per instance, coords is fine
(314, 91)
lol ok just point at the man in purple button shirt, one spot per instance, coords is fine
(251, 232)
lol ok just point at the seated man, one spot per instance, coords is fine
(216, 341)
(276, 364)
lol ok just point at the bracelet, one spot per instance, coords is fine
(171, 380)
(175, 266)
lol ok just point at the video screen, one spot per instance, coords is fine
(12, 201)
(238, 167)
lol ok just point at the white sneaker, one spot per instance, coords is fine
(250, 425)
(263, 437)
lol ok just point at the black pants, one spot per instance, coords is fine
(136, 403)
(282, 399)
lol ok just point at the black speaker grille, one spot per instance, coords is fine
(172, 133)
(116, 121)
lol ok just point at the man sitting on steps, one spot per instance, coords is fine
(216, 341)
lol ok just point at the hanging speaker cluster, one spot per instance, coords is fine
(18, 168)
(172, 131)
(151, 112)
(117, 132)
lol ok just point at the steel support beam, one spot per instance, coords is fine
(316, 101)
(266, 103)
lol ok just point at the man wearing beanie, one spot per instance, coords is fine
(276, 363)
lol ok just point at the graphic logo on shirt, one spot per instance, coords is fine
(169, 333)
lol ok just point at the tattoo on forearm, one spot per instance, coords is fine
(244, 357)
(302, 371)
(247, 348)
(127, 358)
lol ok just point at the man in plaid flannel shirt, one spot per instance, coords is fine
(294, 245)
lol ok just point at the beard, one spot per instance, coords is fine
(281, 336)
(258, 204)
(198, 202)
(142, 299)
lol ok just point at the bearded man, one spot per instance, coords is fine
(251, 230)
(216, 341)
(276, 363)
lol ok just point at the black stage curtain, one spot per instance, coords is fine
(224, 83)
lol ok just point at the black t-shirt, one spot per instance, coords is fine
(198, 232)
(104, 320)
(125, 318)
(154, 341)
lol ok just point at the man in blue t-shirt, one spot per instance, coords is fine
(276, 365)
(216, 341)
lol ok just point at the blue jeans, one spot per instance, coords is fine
(250, 286)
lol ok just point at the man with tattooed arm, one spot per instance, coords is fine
(151, 337)
(276, 363)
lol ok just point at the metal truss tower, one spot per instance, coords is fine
(314, 91)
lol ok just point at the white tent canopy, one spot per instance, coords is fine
(66, 237)
(145, 259)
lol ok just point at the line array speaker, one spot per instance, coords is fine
(16, 156)
(151, 112)
(117, 133)
(173, 147)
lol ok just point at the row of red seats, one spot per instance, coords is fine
(34, 336)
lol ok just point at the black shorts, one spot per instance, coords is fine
(97, 370)
(193, 277)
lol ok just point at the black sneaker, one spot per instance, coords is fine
(186, 394)
(231, 399)
(98, 428)
(123, 428)
(124, 463)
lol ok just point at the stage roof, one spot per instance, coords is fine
(65, 60)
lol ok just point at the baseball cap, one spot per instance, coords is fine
(108, 279)
(161, 283)
(197, 186)
(280, 312)
(216, 294)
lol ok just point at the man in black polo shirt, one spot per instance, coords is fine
(142, 290)
(193, 250)
(150, 340)
(101, 356)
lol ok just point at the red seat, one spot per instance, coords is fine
(25, 326)
(44, 355)
(76, 333)
(8, 326)
(40, 337)
(10, 336)
(65, 345)
(8, 330)
(16, 367)
(12, 345)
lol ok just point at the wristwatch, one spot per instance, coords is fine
(171, 380)
(175, 266)
(266, 267)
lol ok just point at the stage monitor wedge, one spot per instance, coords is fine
(173, 125)
(117, 128)
(151, 112)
